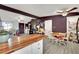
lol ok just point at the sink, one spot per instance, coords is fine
(4, 38)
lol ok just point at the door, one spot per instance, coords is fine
(48, 27)
(21, 28)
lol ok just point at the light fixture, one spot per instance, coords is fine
(64, 13)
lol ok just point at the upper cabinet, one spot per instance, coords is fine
(59, 24)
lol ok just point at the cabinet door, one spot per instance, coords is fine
(37, 48)
(25, 50)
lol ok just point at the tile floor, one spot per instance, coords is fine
(70, 48)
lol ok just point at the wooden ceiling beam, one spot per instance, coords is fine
(10, 9)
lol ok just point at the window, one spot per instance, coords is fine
(7, 25)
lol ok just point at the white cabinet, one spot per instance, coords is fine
(25, 50)
(35, 48)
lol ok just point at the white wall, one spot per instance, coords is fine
(13, 18)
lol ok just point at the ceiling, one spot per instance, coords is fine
(41, 9)
(35, 9)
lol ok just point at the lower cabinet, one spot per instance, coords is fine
(35, 48)
(25, 50)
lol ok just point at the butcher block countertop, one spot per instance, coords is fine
(23, 41)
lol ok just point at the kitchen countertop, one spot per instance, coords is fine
(25, 40)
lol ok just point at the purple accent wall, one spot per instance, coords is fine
(59, 24)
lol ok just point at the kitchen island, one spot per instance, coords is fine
(24, 41)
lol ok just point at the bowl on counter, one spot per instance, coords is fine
(4, 38)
